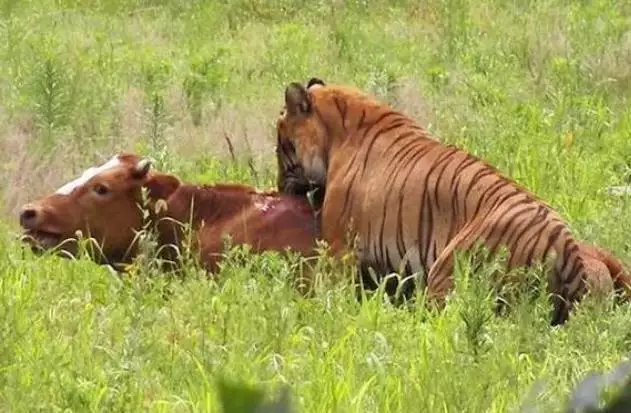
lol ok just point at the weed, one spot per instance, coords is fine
(539, 90)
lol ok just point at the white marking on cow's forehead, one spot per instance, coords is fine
(87, 175)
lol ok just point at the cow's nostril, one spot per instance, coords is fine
(27, 216)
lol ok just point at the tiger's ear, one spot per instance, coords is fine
(314, 81)
(297, 99)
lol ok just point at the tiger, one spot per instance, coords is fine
(412, 202)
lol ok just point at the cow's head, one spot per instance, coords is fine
(103, 203)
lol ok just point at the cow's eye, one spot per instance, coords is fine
(100, 189)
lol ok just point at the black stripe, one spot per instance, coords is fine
(438, 270)
(438, 185)
(505, 198)
(382, 131)
(418, 128)
(347, 194)
(393, 173)
(379, 119)
(372, 125)
(408, 268)
(381, 230)
(410, 164)
(566, 250)
(341, 109)
(580, 274)
(329, 132)
(495, 186)
(351, 164)
(368, 240)
(574, 271)
(477, 177)
(492, 190)
(422, 228)
(492, 225)
(532, 247)
(428, 230)
(437, 188)
(405, 135)
(512, 220)
(539, 217)
(570, 253)
(373, 245)
(388, 263)
(395, 163)
(556, 232)
(455, 199)
(427, 204)
(466, 162)
(360, 124)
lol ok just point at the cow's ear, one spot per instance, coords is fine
(162, 186)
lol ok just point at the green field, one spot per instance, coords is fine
(539, 89)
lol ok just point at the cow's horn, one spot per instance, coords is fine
(142, 168)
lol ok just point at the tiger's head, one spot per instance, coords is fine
(302, 141)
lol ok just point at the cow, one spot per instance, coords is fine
(106, 203)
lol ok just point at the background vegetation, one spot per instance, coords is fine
(540, 89)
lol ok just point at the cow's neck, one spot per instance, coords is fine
(193, 205)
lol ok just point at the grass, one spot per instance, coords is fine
(540, 89)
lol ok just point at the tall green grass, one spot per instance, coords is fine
(539, 89)
(79, 338)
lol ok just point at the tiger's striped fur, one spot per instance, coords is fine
(404, 194)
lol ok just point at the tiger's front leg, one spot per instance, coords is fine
(335, 233)
(337, 230)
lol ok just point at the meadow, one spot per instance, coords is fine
(539, 89)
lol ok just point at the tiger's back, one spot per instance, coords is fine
(417, 205)
(412, 201)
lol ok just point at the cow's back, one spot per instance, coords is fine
(269, 223)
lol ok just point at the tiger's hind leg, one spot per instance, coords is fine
(440, 281)
(602, 277)
(619, 276)
(599, 280)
